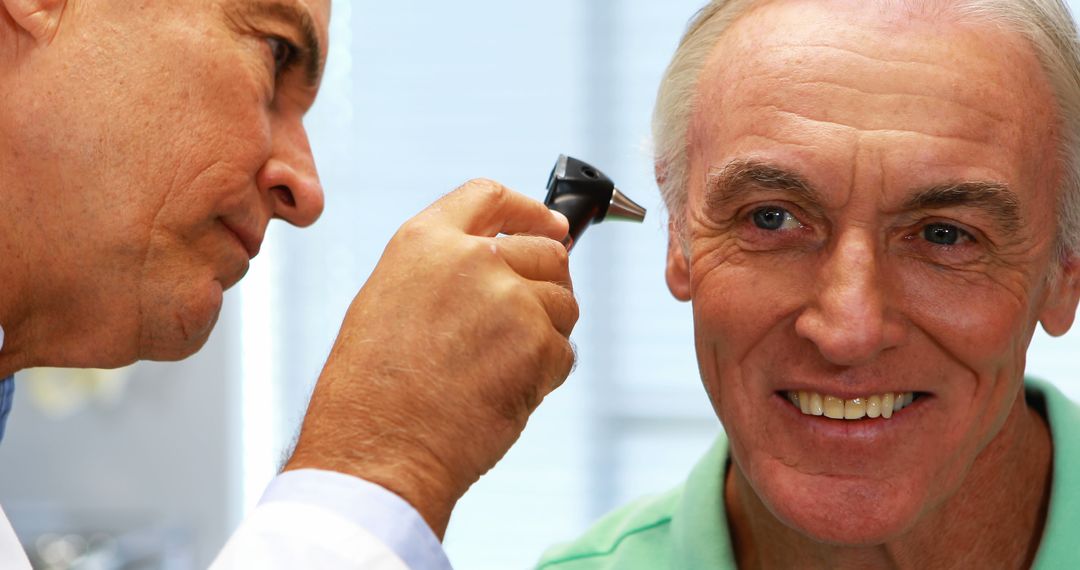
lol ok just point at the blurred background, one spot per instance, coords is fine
(152, 466)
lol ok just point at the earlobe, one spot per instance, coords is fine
(1059, 310)
(39, 18)
(678, 266)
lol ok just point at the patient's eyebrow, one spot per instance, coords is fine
(738, 177)
(290, 13)
(994, 198)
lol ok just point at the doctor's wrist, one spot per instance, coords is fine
(421, 483)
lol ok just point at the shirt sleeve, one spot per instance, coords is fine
(311, 518)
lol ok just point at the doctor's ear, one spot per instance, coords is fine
(1059, 310)
(678, 264)
(38, 18)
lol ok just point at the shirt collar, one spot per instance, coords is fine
(7, 393)
(699, 528)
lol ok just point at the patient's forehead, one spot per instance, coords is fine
(828, 74)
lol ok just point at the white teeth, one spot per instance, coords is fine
(878, 405)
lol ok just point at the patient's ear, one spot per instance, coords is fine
(678, 266)
(39, 18)
(1059, 310)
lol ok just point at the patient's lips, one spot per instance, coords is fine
(874, 406)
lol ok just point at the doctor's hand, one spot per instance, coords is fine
(454, 340)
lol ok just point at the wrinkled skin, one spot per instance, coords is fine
(867, 105)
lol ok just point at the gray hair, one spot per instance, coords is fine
(1047, 24)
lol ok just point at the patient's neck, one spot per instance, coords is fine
(994, 520)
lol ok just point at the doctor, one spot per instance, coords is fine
(144, 148)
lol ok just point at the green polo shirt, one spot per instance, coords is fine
(687, 527)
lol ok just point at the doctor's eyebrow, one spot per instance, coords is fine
(727, 183)
(996, 199)
(290, 13)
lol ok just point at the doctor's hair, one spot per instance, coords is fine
(1046, 24)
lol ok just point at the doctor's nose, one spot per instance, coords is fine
(848, 317)
(289, 177)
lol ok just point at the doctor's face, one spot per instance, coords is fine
(870, 225)
(168, 134)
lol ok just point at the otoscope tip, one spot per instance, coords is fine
(623, 208)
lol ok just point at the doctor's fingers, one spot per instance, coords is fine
(486, 208)
(535, 258)
(559, 304)
(561, 357)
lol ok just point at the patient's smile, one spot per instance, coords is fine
(877, 405)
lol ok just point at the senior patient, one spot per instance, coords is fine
(873, 205)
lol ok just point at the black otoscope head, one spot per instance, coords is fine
(586, 196)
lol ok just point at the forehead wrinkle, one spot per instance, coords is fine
(939, 97)
(737, 177)
(797, 99)
(786, 63)
(804, 118)
(777, 139)
(869, 58)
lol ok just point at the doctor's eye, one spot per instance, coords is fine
(283, 53)
(774, 218)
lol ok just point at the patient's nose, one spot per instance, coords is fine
(848, 317)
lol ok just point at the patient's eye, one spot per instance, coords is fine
(945, 244)
(774, 218)
(944, 234)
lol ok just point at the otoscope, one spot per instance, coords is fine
(586, 196)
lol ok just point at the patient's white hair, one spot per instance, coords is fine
(1045, 23)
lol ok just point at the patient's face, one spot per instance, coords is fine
(872, 213)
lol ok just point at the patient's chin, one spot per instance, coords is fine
(181, 322)
(841, 511)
